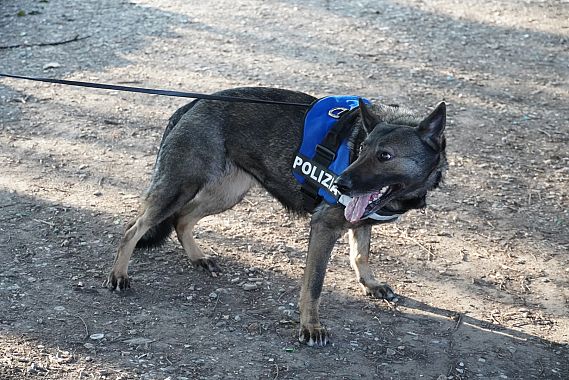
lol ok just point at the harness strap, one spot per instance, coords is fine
(325, 153)
(310, 196)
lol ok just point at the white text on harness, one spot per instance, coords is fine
(316, 173)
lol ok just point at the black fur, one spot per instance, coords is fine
(156, 235)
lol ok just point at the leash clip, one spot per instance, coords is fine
(337, 112)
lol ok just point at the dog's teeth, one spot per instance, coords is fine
(374, 197)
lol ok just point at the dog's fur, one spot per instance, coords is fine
(212, 152)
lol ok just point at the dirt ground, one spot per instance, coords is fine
(483, 274)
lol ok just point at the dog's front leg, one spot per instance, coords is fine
(323, 236)
(359, 259)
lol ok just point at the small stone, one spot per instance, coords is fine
(288, 312)
(213, 295)
(237, 318)
(51, 65)
(59, 308)
(390, 351)
(97, 336)
(250, 286)
(137, 341)
(482, 360)
(253, 328)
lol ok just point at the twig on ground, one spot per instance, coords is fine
(85, 325)
(44, 222)
(214, 252)
(215, 305)
(429, 251)
(458, 321)
(76, 38)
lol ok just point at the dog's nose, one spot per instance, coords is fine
(343, 184)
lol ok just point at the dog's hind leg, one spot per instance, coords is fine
(159, 204)
(359, 259)
(214, 198)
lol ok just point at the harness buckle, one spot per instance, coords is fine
(325, 153)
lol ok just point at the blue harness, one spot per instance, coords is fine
(324, 154)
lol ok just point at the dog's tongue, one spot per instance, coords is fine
(356, 208)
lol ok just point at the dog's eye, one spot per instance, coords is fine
(384, 156)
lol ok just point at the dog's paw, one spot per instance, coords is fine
(381, 291)
(314, 335)
(207, 264)
(117, 282)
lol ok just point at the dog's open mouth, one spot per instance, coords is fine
(363, 205)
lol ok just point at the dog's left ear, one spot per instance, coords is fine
(369, 120)
(432, 127)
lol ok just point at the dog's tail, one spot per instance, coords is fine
(157, 235)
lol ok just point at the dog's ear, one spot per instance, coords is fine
(432, 127)
(369, 120)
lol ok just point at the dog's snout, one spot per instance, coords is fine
(343, 184)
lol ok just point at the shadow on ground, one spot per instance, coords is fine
(179, 321)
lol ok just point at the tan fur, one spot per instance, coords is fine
(119, 273)
(212, 199)
(359, 259)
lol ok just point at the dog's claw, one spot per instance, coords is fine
(381, 291)
(314, 336)
(117, 282)
(208, 264)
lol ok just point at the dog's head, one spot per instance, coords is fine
(397, 163)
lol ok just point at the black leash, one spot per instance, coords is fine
(179, 94)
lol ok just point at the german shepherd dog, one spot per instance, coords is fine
(212, 152)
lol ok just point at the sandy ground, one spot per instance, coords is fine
(483, 274)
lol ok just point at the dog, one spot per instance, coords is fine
(212, 152)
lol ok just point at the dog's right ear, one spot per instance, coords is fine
(369, 120)
(432, 127)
